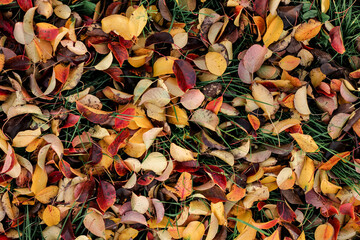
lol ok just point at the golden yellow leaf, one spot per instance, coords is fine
(51, 215)
(274, 31)
(216, 63)
(48, 194)
(306, 142)
(307, 30)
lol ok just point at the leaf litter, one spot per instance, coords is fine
(178, 120)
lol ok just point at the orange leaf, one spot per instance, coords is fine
(333, 161)
(183, 187)
(215, 105)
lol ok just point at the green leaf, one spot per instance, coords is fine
(310, 14)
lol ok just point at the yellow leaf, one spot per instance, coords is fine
(163, 65)
(325, 5)
(216, 63)
(307, 30)
(324, 232)
(219, 211)
(306, 142)
(39, 180)
(139, 19)
(51, 215)
(194, 231)
(118, 24)
(128, 233)
(306, 178)
(48, 194)
(274, 31)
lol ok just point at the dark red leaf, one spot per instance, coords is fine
(291, 196)
(67, 232)
(113, 8)
(25, 4)
(336, 225)
(113, 148)
(146, 178)
(71, 121)
(285, 212)
(55, 176)
(185, 74)
(120, 52)
(214, 194)
(326, 206)
(106, 195)
(260, 7)
(6, 26)
(95, 154)
(188, 166)
(164, 10)
(115, 73)
(123, 119)
(65, 168)
(18, 63)
(217, 174)
(160, 37)
(292, 229)
(84, 190)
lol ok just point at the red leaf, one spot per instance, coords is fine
(336, 225)
(106, 195)
(3, 2)
(266, 225)
(214, 194)
(120, 52)
(337, 40)
(55, 176)
(347, 209)
(188, 166)
(71, 121)
(6, 26)
(113, 148)
(217, 174)
(185, 74)
(84, 190)
(95, 154)
(18, 63)
(326, 206)
(25, 4)
(67, 232)
(215, 105)
(146, 178)
(93, 115)
(65, 168)
(113, 8)
(160, 37)
(114, 73)
(120, 167)
(260, 7)
(285, 212)
(123, 119)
